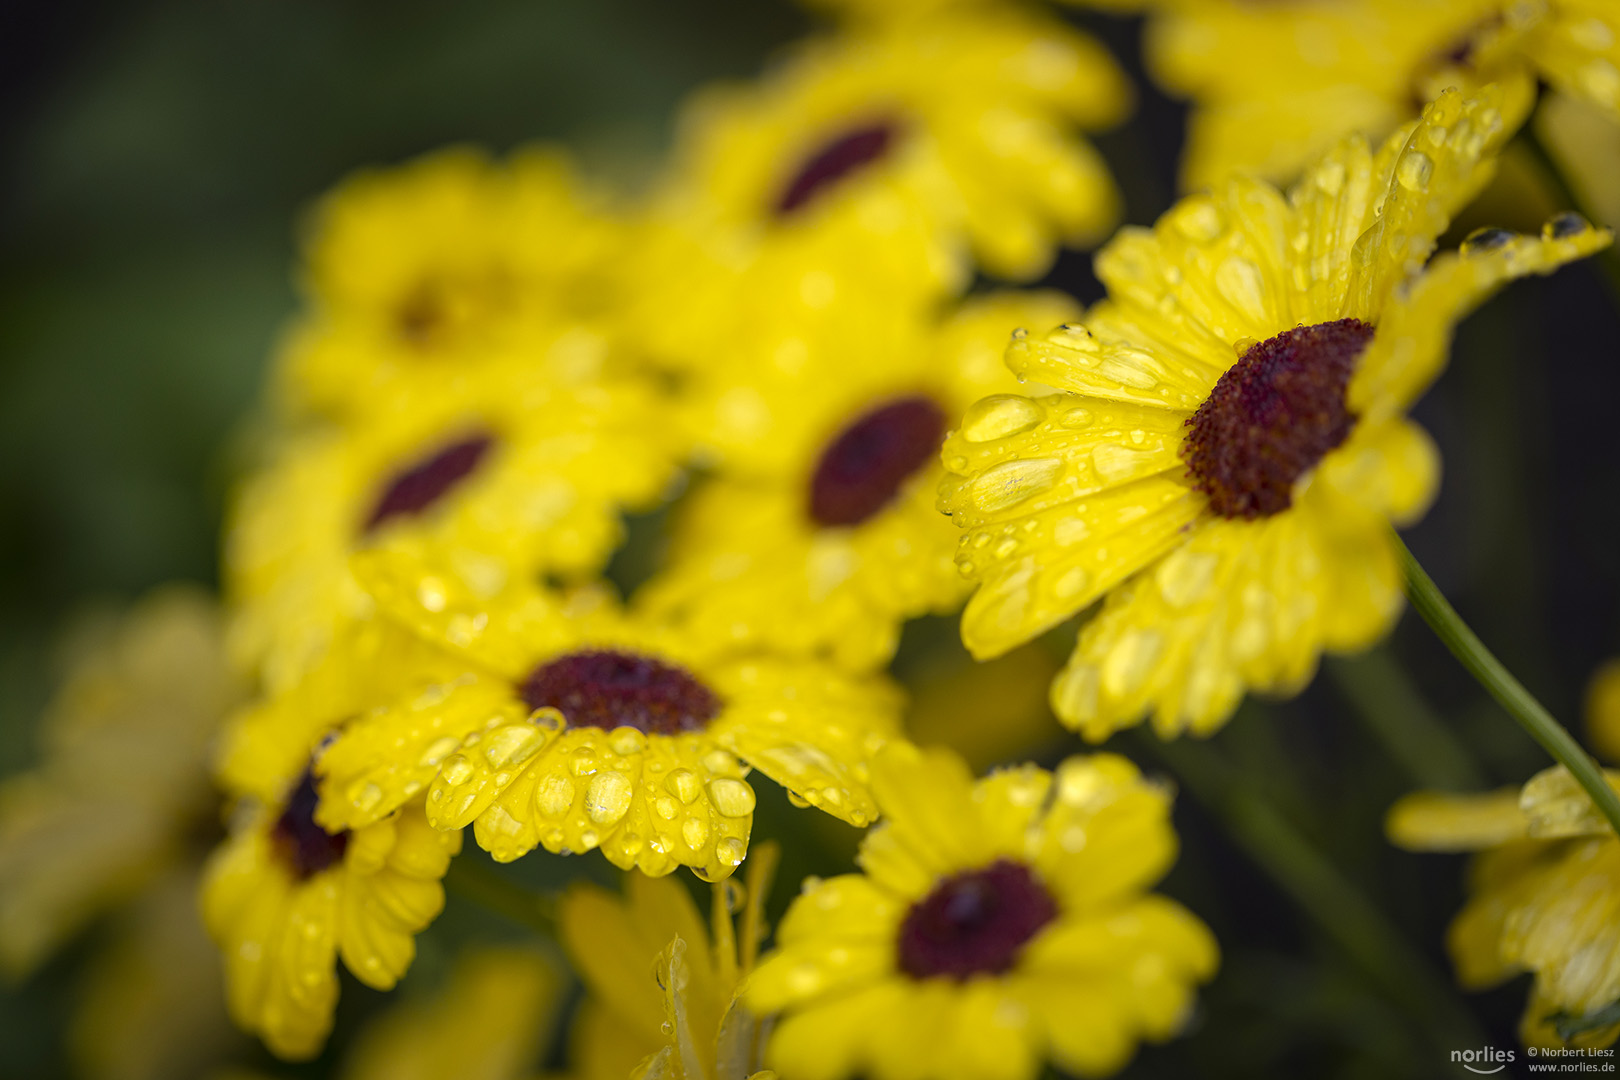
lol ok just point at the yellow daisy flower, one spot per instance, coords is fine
(998, 923)
(819, 535)
(1229, 447)
(422, 275)
(124, 774)
(1544, 897)
(1326, 70)
(678, 1019)
(878, 159)
(573, 727)
(489, 1022)
(507, 474)
(150, 1007)
(283, 898)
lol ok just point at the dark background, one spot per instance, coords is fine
(154, 159)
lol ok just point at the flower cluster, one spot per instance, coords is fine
(583, 523)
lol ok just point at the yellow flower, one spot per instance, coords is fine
(575, 727)
(283, 898)
(489, 1022)
(877, 160)
(820, 533)
(151, 1007)
(1229, 447)
(124, 774)
(419, 277)
(1585, 141)
(509, 473)
(1603, 710)
(997, 923)
(1544, 896)
(1321, 71)
(678, 1019)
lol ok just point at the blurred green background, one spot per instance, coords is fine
(156, 158)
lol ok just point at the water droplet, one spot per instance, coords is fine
(554, 794)
(1071, 583)
(1198, 219)
(1130, 662)
(1011, 482)
(1564, 226)
(1481, 241)
(365, 796)
(684, 785)
(437, 751)
(458, 770)
(513, 745)
(608, 798)
(695, 831)
(998, 417)
(730, 851)
(732, 798)
(1076, 418)
(626, 741)
(1184, 577)
(1415, 170)
(665, 807)
(583, 762)
(547, 719)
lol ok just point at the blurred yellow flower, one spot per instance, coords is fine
(998, 923)
(819, 535)
(886, 159)
(421, 276)
(151, 1007)
(575, 727)
(124, 775)
(1544, 897)
(1603, 710)
(283, 898)
(678, 1019)
(1325, 70)
(491, 1021)
(1229, 448)
(505, 474)
(1584, 140)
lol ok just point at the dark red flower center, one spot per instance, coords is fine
(861, 471)
(609, 689)
(834, 160)
(974, 923)
(418, 486)
(303, 847)
(1272, 417)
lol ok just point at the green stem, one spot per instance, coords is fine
(1509, 693)
(468, 877)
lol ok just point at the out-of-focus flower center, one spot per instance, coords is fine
(974, 923)
(1272, 417)
(834, 160)
(861, 471)
(417, 487)
(302, 846)
(610, 689)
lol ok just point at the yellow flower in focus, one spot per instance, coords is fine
(678, 1019)
(1544, 897)
(283, 898)
(1324, 70)
(998, 923)
(504, 475)
(819, 535)
(575, 727)
(491, 1021)
(881, 160)
(1229, 450)
(124, 774)
(422, 276)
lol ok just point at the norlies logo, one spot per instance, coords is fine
(1484, 1061)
